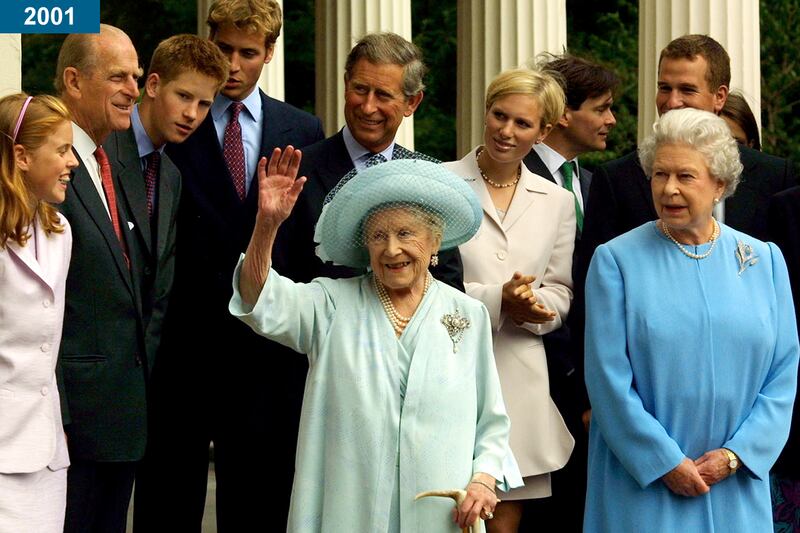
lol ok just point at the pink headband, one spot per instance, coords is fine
(21, 116)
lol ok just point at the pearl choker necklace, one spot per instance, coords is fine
(398, 321)
(712, 240)
(491, 181)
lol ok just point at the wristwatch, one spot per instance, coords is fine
(733, 461)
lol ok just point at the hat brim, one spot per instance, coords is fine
(422, 183)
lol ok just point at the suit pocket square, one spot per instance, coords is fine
(130, 225)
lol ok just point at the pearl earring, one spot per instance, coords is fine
(435, 260)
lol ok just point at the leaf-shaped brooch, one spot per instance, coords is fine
(455, 324)
(745, 255)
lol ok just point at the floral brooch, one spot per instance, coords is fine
(455, 324)
(745, 255)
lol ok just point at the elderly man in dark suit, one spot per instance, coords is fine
(383, 84)
(104, 360)
(693, 71)
(584, 127)
(217, 381)
(186, 73)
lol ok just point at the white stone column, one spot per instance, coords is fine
(339, 24)
(495, 35)
(10, 63)
(733, 23)
(272, 77)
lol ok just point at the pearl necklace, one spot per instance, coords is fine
(491, 181)
(398, 321)
(712, 240)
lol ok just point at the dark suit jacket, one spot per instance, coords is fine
(103, 359)
(562, 360)
(157, 239)
(783, 224)
(324, 164)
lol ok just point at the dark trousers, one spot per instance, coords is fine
(247, 402)
(98, 495)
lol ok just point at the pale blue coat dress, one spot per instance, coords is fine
(384, 418)
(684, 356)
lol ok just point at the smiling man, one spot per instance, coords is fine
(383, 84)
(215, 380)
(103, 360)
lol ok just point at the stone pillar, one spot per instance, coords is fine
(733, 23)
(495, 35)
(271, 80)
(10, 63)
(339, 24)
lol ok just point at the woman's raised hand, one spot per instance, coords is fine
(278, 187)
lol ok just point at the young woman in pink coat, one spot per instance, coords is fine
(35, 244)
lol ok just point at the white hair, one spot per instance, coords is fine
(705, 132)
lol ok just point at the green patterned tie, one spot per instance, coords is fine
(568, 170)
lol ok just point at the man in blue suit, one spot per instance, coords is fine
(217, 381)
(583, 128)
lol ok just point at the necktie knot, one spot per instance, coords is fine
(236, 109)
(373, 159)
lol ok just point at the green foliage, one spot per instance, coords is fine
(434, 29)
(147, 22)
(780, 77)
(608, 34)
(298, 56)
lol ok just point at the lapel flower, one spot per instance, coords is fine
(455, 324)
(745, 255)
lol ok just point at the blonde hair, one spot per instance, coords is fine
(533, 82)
(262, 17)
(18, 206)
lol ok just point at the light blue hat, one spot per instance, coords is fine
(427, 185)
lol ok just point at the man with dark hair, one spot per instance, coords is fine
(186, 72)
(383, 84)
(583, 128)
(216, 380)
(104, 362)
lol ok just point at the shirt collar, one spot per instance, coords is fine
(252, 104)
(357, 151)
(82, 143)
(551, 159)
(143, 142)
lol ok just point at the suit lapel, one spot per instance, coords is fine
(524, 196)
(166, 194)
(480, 190)
(27, 254)
(131, 182)
(336, 166)
(87, 194)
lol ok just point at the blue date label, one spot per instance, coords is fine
(49, 16)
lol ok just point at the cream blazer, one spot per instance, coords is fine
(32, 283)
(536, 237)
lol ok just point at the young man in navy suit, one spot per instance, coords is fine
(583, 128)
(216, 381)
(186, 73)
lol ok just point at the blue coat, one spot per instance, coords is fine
(684, 356)
(384, 418)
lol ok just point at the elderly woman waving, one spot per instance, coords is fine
(402, 394)
(691, 351)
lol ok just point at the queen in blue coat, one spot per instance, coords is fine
(691, 351)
